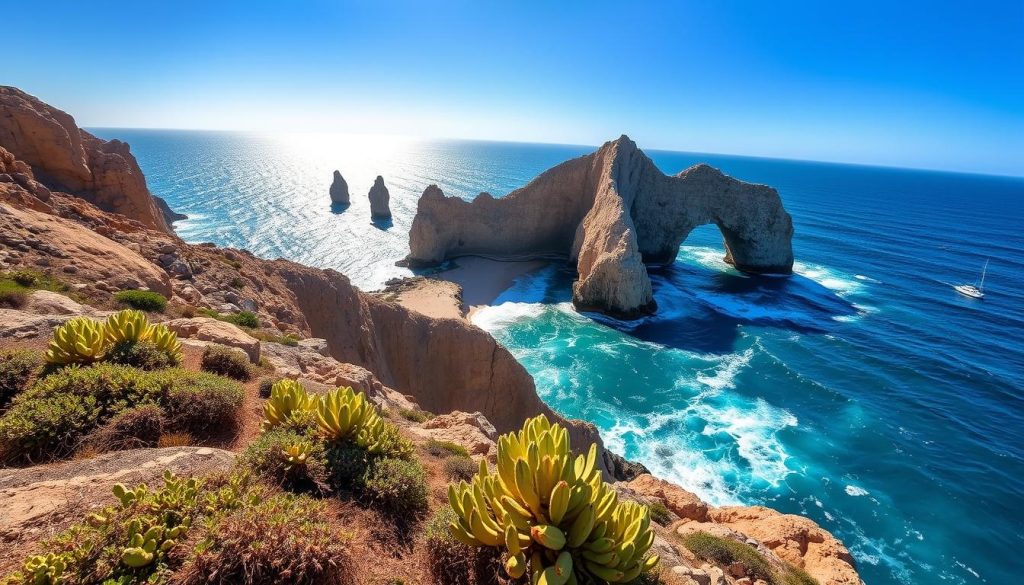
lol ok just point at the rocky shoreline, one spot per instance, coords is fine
(77, 208)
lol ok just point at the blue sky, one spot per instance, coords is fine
(918, 84)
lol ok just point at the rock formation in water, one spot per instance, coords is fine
(67, 158)
(380, 199)
(613, 212)
(339, 189)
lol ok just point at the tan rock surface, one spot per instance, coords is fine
(40, 501)
(610, 212)
(68, 159)
(796, 540)
(219, 332)
(472, 430)
(67, 243)
(679, 501)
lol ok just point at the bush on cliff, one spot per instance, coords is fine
(226, 361)
(18, 369)
(285, 457)
(140, 426)
(397, 487)
(217, 530)
(724, 551)
(141, 354)
(52, 418)
(143, 300)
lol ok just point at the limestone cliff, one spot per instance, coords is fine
(612, 212)
(67, 158)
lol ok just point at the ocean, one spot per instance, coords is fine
(862, 391)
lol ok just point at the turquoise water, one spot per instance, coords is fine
(862, 391)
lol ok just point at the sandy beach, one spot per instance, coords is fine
(472, 283)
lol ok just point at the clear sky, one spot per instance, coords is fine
(921, 84)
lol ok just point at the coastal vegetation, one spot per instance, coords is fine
(143, 300)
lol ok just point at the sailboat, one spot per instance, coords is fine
(975, 291)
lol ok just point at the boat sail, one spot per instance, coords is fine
(976, 290)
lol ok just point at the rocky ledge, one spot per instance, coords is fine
(612, 212)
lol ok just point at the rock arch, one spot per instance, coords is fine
(616, 212)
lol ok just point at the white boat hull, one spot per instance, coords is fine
(969, 291)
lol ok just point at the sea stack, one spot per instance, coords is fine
(380, 200)
(612, 213)
(339, 189)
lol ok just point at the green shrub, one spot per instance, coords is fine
(268, 457)
(141, 426)
(12, 294)
(346, 466)
(266, 385)
(396, 487)
(660, 513)
(141, 354)
(445, 449)
(49, 420)
(416, 416)
(448, 560)
(143, 300)
(286, 339)
(459, 468)
(202, 405)
(724, 551)
(226, 361)
(245, 319)
(281, 539)
(18, 368)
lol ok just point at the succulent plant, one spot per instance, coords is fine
(346, 414)
(287, 397)
(165, 340)
(296, 454)
(45, 569)
(553, 514)
(79, 341)
(127, 325)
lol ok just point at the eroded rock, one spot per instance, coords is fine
(219, 332)
(380, 199)
(339, 189)
(612, 213)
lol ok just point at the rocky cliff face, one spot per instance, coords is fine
(66, 158)
(612, 213)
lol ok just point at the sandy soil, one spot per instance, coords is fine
(472, 283)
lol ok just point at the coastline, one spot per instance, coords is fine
(459, 291)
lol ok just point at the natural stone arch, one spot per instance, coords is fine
(755, 228)
(619, 212)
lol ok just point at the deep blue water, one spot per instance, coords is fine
(862, 391)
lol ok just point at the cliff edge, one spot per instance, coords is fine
(66, 158)
(612, 212)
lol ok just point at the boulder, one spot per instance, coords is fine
(219, 332)
(471, 430)
(679, 501)
(612, 213)
(44, 302)
(15, 324)
(339, 189)
(380, 199)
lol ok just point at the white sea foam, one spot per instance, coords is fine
(856, 491)
(843, 284)
(724, 375)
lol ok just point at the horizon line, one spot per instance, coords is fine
(595, 146)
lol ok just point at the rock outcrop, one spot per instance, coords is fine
(380, 199)
(66, 158)
(339, 189)
(218, 332)
(612, 212)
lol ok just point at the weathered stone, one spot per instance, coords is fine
(339, 189)
(679, 501)
(471, 430)
(612, 212)
(380, 206)
(219, 332)
(67, 158)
